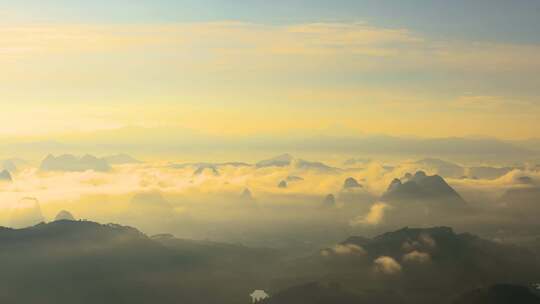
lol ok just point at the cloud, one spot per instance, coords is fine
(373, 217)
(427, 240)
(417, 257)
(345, 250)
(387, 265)
(494, 104)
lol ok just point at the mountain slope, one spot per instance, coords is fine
(499, 294)
(85, 262)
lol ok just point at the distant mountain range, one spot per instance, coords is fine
(72, 163)
(162, 140)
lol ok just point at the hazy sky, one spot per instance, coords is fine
(418, 67)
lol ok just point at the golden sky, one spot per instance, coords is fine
(245, 78)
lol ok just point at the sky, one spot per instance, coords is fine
(241, 68)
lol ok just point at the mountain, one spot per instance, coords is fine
(317, 166)
(442, 167)
(351, 183)
(85, 262)
(485, 172)
(422, 187)
(66, 262)
(216, 253)
(314, 293)
(199, 168)
(522, 202)
(121, 159)
(329, 200)
(405, 262)
(246, 195)
(64, 216)
(357, 161)
(527, 195)
(5, 176)
(151, 205)
(8, 165)
(208, 168)
(445, 250)
(283, 160)
(389, 145)
(71, 163)
(395, 243)
(499, 294)
(283, 184)
(287, 160)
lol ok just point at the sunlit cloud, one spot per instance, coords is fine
(373, 217)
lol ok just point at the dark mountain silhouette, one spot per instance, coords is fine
(429, 265)
(282, 184)
(441, 239)
(72, 163)
(422, 187)
(93, 263)
(66, 262)
(499, 294)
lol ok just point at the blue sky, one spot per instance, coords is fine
(501, 20)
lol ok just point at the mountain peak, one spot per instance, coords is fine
(421, 187)
(5, 176)
(351, 183)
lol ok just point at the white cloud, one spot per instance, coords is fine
(387, 265)
(373, 217)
